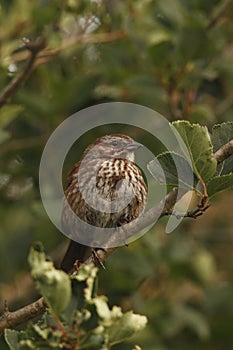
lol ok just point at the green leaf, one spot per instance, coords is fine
(186, 317)
(172, 169)
(172, 11)
(125, 327)
(219, 183)
(204, 265)
(53, 284)
(102, 307)
(43, 333)
(29, 344)
(222, 134)
(202, 113)
(160, 53)
(4, 135)
(88, 274)
(198, 143)
(9, 113)
(158, 36)
(12, 339)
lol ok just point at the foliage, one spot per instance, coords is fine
(202, 161)
(82, 320)
(173, 56)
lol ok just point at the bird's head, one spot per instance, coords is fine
(113, 146)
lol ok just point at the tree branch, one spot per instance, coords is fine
(11, 319)
(10, 89)
(48, 54)
(224, 152)
(218, 12)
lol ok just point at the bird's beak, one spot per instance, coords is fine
(133, 146)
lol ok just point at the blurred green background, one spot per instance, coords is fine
(175, 57)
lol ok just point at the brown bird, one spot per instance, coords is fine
(100, 174)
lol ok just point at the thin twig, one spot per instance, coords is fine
(37, 55)
(218, 13)
(68, 43)
(12, 319)
(13, 86)
(224, 152)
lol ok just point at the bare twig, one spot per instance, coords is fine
(37, 55)
(218, 12)
(224, 152)
(11, 319)
(48, 54)
(11, 88)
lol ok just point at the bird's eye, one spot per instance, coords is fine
(114, 143)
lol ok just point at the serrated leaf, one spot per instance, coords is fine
(53, 284)
(198, 143)
(220, 183)
(12, 339)
(125, 327)
(172, 169)
(222, 134)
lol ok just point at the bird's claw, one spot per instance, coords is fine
(96, 258)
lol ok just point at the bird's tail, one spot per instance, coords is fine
(76, 252)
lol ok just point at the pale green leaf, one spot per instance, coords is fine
(199, 146)
(43, 333)
(157, 37)
(125, 327)
(12, 339)
(53, 284)
(137, 347)
(29, 344)
(204, 265)
(219, 183)
(102, 307)
(87, 273)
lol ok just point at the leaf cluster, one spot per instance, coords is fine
(76, 318)
(198, 171)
